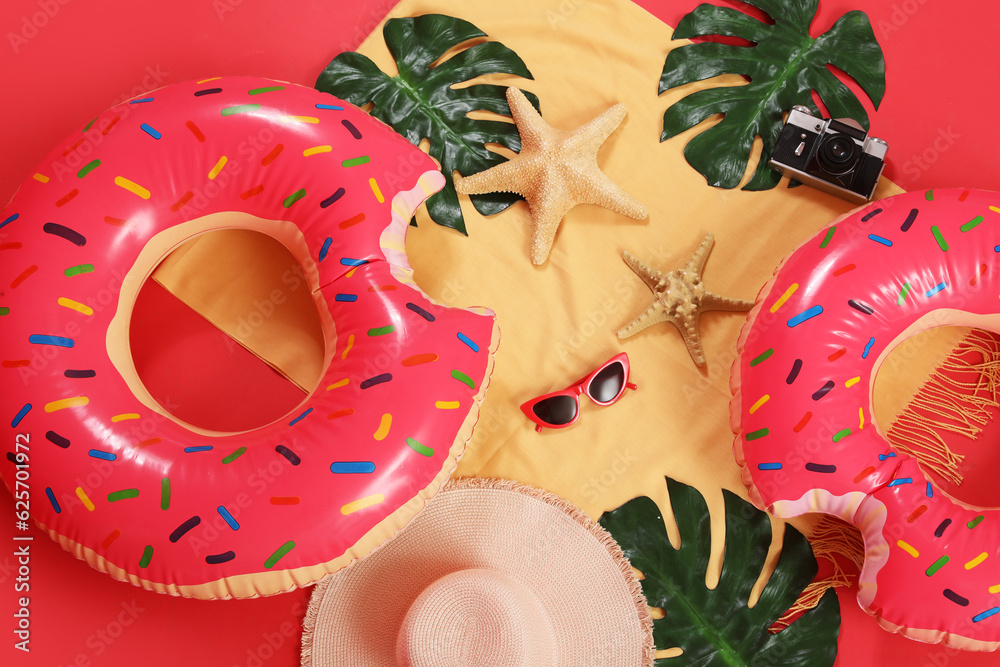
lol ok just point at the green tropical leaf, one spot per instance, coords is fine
(784, 65)
(421, 102)
(715, 627)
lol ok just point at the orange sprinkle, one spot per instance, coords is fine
(916, 513)
(67, 197)
(23, 276)
(341, 413)
(864, 473)
(111, 125)
(418, 359)
(179, 204)
(195, 131)
(982, 272)
(381, 288)
(117, 222)
(112, 536)
(802, 422)
(270, 157)
(844, 269)
(252, 192)
(147, 443)
(15, 363)
(14, 245)
(285, 500)
(838, 354)
(350, 222)
(73, 147)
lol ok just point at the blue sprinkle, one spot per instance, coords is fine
(468, 341)
(58, 341)
(148, 129)
(937, 288)
(229, 518)
(805, 315)
(199, 448)
(20, 415)
(986, 614)
(996, 248)
(883, 457)
(352, 467)
(16, 215)
(901, 480)
(930, 490)
(769, 466)
(52, 499)
(144, 99)
(347, 261)
(880, 239)
(98, 454)
(330, 107)
(299, 418)
(868, 347)
(346, 297)
(325, 249)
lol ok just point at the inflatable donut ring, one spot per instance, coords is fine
(802, 409)
(207, 514)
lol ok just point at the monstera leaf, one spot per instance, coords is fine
(715, 627)
(783, 65)
(421, 102)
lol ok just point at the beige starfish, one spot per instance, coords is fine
(679, 298)
(555, 171)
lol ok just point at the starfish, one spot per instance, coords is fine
(555, 171)
(679, 298)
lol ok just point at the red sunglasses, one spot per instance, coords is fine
(561, 408)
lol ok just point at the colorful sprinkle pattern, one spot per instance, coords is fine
(175, 508)
(933, 565)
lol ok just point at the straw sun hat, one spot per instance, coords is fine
(492, 573)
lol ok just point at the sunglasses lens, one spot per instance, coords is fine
(557, 410)
(608, 383)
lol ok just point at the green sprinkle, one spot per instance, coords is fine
(381, 331)
(419, 448)
(279, 554)
(165, 493)
(937, 565)
(829, 235)
(87, 168)
(971, 223)
(355, 161)
(267, 89)
(902, 294)
(147, 555)
(79, 268)
(754, 435)
(462, 377)
(4, 310)
(975, 522)
(240, 108)
(123, 494)
(762, 357)
(929, 195)
(840, 435)
(294, 197)
(940, 239)
(235, 455)
(90, 123)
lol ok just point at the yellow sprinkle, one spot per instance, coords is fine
(852, 381)
(447, 405)
(376, 190)
(350, 274)
(75, 305)
(976, 561)
(134, 188)
(124, 416)
(995, 589)
(995, 209)
(217, 168)
(214, 78)
(74, 402)
(361, 503)
(383, 427)
(861, 418)
(338, 383)
(41, 178)
(784, 297)
(82, 495)
(761, 401)
(908, 549)
(300, 119)
(317, 149)
(350, 344)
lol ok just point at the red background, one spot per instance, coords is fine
(61, 61)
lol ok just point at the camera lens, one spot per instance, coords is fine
(837, 153)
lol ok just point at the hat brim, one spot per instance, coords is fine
(574, 567)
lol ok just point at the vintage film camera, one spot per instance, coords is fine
(833, 155)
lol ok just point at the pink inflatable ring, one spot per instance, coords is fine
(183, 510)
(802, 407)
